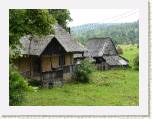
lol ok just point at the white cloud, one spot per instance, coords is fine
(84, 16)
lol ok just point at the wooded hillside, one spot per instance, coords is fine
(121, 33)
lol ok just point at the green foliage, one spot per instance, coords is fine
(129, 52)
(18, 87)
(83, 71)
(136, 62)
(62, 16)
(25, 21)
(121, 33)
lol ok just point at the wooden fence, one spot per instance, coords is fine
(102, 66)
(69, 69)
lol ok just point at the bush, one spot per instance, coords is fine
(136, 62)
(18, 87)
(83, 71)
(119, 50)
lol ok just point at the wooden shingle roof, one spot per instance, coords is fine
(66, 40)
(38, 44)
(115, 60)
(98, 47)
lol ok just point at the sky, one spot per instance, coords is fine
(85, 16)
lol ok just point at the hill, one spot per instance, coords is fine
(121, 33)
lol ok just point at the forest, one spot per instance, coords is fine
(121, 33)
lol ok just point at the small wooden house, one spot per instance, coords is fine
(50, 58)
(104, 52)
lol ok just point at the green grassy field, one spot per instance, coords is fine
(129, 52)
(107, 88)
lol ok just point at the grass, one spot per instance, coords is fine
(108, 88)
(117, 87)
(129, 52)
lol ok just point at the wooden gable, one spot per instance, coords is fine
(54, 48)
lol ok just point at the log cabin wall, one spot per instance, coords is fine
(49, 62)
(29, 66)
(68, 59)
(23, 64)
(46, 63)
(55, 61)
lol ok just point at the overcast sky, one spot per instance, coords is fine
(84, 16)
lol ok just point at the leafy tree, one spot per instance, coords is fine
(25, 21)
(62, 16)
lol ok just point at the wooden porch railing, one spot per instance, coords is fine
(69, 69)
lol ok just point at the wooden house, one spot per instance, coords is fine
(48, 59)
(104, 52)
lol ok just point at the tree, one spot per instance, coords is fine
(25, 21)
(62, 16)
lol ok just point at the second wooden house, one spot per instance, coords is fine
(104, 53)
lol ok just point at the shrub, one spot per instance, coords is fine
(18, 87)
(119, 50)
(136, 62)
(83, 70)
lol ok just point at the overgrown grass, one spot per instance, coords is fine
(108, 88)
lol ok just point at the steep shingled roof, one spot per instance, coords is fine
(98, 47)
(66, 40)
(115, 60)
(38, 44)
